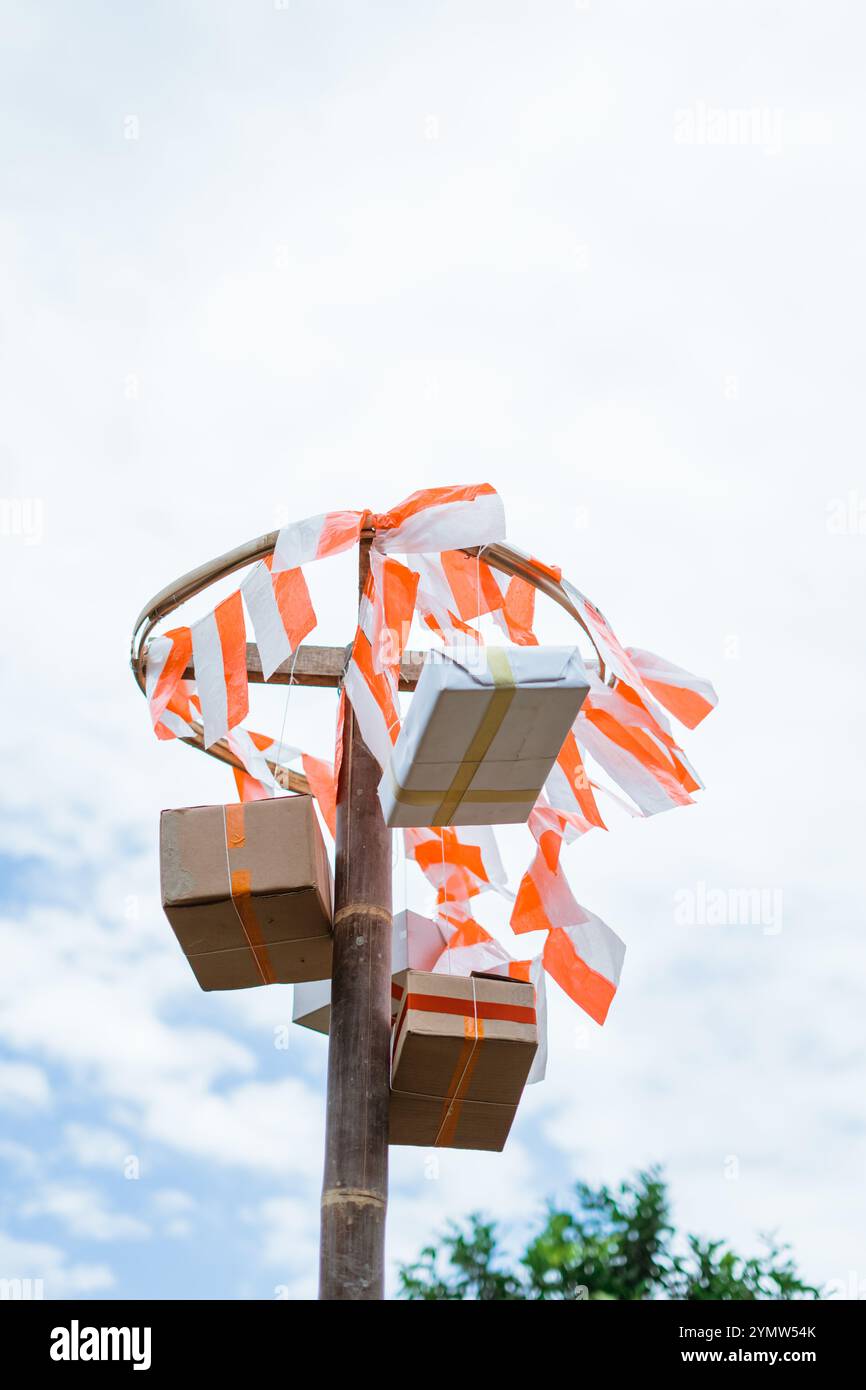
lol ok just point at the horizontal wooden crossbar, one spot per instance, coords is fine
(317, 666)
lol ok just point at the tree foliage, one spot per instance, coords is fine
(610, 1243)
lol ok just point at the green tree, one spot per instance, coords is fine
(614, 1243)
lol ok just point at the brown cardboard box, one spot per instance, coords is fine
(247, 889)
(482, 735)
(461, 1052)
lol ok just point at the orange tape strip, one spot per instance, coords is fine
(242, 899)
(459, 1084)
(486, 1008)
(235, 831)
(241, 888)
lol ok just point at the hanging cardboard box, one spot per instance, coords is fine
(416, 942)
(247, 889)
(461, 1053)
(482, 733)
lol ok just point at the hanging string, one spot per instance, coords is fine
(279, 754)
(449, 952)
(235, 904)
(456, 1098)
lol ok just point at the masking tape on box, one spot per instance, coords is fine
(447, 803)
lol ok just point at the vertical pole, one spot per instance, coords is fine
(355, 1188)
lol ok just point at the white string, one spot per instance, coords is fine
(234, 900)
(445, 891)
(478, 555)
(279, 753)
(456, 1096)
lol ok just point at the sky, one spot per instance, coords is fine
(262, 260)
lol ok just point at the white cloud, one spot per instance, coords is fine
(61, 1277)
(170, 1201)
(20, 1157)
(81, 1212)
(289, 1240)
(22, 1084)
(175, 1210)
(96, 1148)
(163, 1074)
(432, 1188)
(267, 1127)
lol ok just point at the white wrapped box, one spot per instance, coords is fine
(482, 733)
(416, 944)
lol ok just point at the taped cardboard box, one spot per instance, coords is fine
(416, 942)
(248, 891)
(461, 1053)
(482, 733)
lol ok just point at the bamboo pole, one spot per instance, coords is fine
(355, 1187)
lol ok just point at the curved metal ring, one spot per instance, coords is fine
(500, 556)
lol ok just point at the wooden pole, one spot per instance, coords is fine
(316, 666)
(355, 1188)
